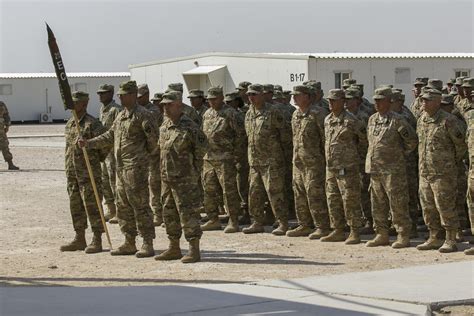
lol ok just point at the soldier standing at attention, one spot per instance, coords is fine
(269, 140)
(442, 146)
(391, 139)
(345, 145)
(108, 113)
(416, 104)
(196, 97)
(182, 147)
(135, 139)
(470, 184)
(308, 167)
(4, 126)
(243, 87)
(82, 201)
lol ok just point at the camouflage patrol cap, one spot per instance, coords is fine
(142, 90)
(277, 95)
(277, 87)
(346, 83)
(435, 84)
(214, 92)
(157, 96)
(459, 81)
(244, 85)
(301, 89)
(336, 94)
(127, 87)
(431, 94)
(171, 96)
(255, 89)
(177, 86)
(386, 86)
(229, 97)
(104, 88)
(359, 86)
(447, 99)
(420, 81)
(451, 81)
(80, 96)
(268, 87)
(468, 83)
(397, 95)
(352, 93)
(382, 93)
(454, 92)
(315, 85)
(196, 93)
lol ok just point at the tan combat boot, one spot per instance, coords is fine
(337, 234)
(157, 220)
(354, 237)
(78, 243)
(432, 243)
(194, 254)
(96, 243)
(254, 229)
(381, 239)
(111, 211)
(146, 250)
(128, 248)
(212, 224)
(450, 242)
(403, 241)
(11, 166)
(232, 226)
(300, 231)
(281, 229)
(469, 251)
(320, 232)
(172, 253)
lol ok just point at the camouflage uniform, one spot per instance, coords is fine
(4, 123)
(346, 144)
(182, 147)
(134, 136)
(82, 201)
(470, 184)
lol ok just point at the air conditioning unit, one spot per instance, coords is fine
(46, 118)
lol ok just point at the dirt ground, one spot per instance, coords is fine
(35, 221)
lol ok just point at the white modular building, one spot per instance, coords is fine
(35, 97)
(290, 69)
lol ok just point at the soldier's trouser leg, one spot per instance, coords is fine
(470, 199)
(227, 191)
(389, 195)
(133, 209)
(438, 201)
(212, 190)
(257, 195)
(76, 205)
(180, 201)
(109, 196)
(243, 184)
(90, 203)
(343, 197)
(288, 188)
(303, 213)
(273, 178)
(7, 155)
(155, 188)
(461, 196)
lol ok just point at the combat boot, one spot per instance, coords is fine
(128, 248)
(337, 234)
(281, 229)
(300, 231)
(157, 220)
(469, 251)
(232, 226)
(319, 232)
(254, 229)
(403, 241)
(96, 243)
(450, 242)
(78, 243)
(194, 254)
(172, 253)
(11, 166)
(112, 211)
(381, 239)
(432, 243)
(212, 224)
(354, 237)
(147, 249)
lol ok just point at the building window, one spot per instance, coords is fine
(6, 89)
(462, 73)
(402, 76)
(340, 76)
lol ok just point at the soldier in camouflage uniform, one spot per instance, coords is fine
(108, 112)
(224, 134)
(134, 136)
(466, 104)
(269, 140)
(196, 97)
(416, 104)
(308, 167)
(460, 92)
(4, 126)
(187, 109)
(82, 201)
(345, 145)
(470, 191)
(243, 87)
(182, 147)
(317, 99)
(391, 138)
(365, 106)
(442, 146)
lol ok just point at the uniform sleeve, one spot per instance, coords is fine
(361, 133)
(104, 140)
(408, 135)
(320, 126)
(285, 135)
(150, 128)
(200, 146)
(456, 133)
(98, 129)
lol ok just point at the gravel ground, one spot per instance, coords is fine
(35, 221)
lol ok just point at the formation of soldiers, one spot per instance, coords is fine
(340, 165)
